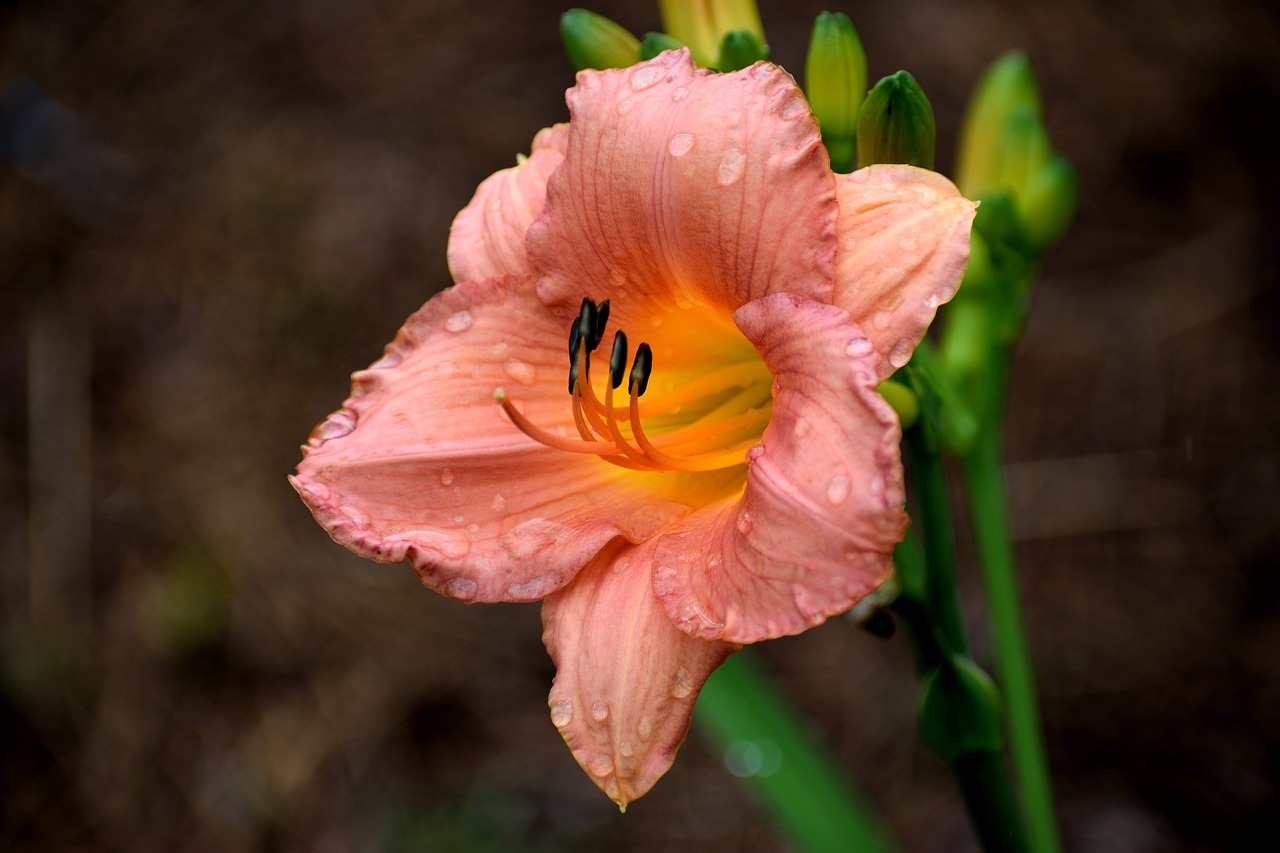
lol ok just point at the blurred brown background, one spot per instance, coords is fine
(210, 213)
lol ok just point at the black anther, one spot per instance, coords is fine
(640, 370)
(602, 317)
(618, 360)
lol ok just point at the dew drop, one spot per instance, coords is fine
(624, 107)
(794, 108)
(600, 765)
(876, 485)
(680, 144)
(600, 711)
(732, 165)
(459, 519)
(463, 589)
(755, 452)
(446, 477)
(445, 369)
(881, 320)
(532, 537)
(498, 504)
(531, 590)
(764, 71)
(562, 713)
(901, 352)
(473, 527)
(611, 790)
(627, 749)
(801, 428)
(656, 319)
(744, 522)
(680, 94)
(663, 573)
(645, 76)
(931, 302)
(644, 728)
(838, 489)
(681, 684)
(519, 371)
(459, 322)
(859, 347)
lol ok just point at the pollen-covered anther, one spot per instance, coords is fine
(711, 422)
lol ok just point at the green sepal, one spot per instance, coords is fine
(741, 49)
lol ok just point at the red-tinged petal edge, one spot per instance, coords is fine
(421, 463)
(903, 247)
(823, 506)
(626, 678)
(487, 236)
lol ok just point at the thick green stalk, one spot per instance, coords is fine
(934, 522)
(989, 513)
(768, 745)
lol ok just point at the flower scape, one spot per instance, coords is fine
(650, 399)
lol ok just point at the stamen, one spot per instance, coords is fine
(640, 370)
(617, 360)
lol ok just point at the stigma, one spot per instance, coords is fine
(704, 424)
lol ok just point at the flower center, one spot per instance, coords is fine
(704, 424)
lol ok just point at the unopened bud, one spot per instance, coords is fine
(655, 43)
(702, 25)
(594, 41)
(1007, 87)
(1049, 202)
(740, 49)
(960, 713)
(835, 79)
(895, 124)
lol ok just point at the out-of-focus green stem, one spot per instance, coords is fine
(934, 519)
(768, 745)
(988, 509)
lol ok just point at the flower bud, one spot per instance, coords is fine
(740, 49)
(902, 399)
(835, 78)
(1049, 202)
(594, 41)
(702, 24)
(655, 43)
(895, 124)
(1007, 87)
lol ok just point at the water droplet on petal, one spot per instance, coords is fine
(801, 428)
(876, 485)
(463, 589)
(859, 347)
(931, 302)
(838, 489)
(681, 684)
(645, 77)
(663, 573)
(881, 320)
(627, 749)
(519, 371)
(624, 107)
(532, 536)
(459, 322)
(732, 165)
(680, 144)
(473, 527)
(744, 522)
(680, 94)
(611, 790)
(445, 369)
(762, 72)
(562, 713)
(644, 728)
(755, 452)
(600, 711)
(446, 477)
(901, 352)
(498, 504)
(531, 590)
(794, 108)
(600, 765)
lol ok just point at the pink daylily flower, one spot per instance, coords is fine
(753, 489)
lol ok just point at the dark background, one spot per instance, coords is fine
(221, 209)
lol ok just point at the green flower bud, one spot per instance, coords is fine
(1007, 87)
(895, 124)
(655, 43)
(835, 79)
(1049, 202)
(960, 713)
(594, 41)
(702, 25)
(740, 49)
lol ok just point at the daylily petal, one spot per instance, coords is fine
(487, 236)
(421, 463)
(903, 246)
(626, 678)
(815, 528)
(683, 186)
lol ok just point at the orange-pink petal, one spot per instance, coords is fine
(680, 185)
(487, 237)
(815, 528)
(421, 463)
(903, 245)
(626, 678)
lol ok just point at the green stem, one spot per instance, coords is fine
(934, 519)
(768, 745)
(993, 808)
(988, 508)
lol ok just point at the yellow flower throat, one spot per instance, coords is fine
(704, 424)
